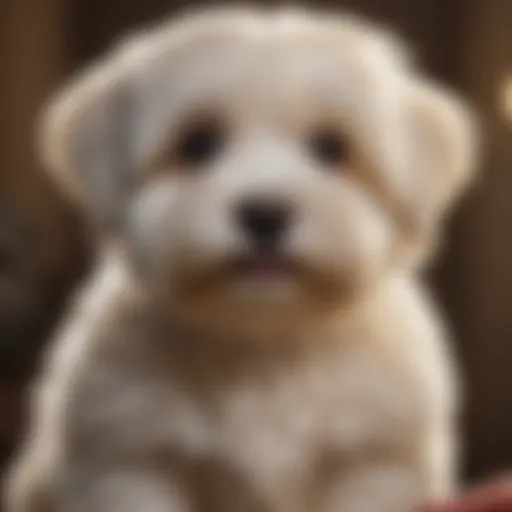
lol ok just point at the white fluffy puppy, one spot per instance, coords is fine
(266, 187)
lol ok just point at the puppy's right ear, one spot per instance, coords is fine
(85, 139)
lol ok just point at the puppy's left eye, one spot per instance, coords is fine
(328, 146)
(201, 142)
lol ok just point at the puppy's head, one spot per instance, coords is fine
(258, 162)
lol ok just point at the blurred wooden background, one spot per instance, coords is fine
(43, 252)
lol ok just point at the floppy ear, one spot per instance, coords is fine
(86, 139)
(441, 153)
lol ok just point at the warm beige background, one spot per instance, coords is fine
(467, 42)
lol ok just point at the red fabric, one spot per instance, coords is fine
(493, 497)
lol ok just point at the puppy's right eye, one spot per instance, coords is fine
(328, 146)
(201, 142)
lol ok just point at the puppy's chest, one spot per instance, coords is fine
(280, 421)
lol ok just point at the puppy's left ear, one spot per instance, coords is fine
(87, 137)
(442, 152)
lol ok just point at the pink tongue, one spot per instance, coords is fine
(266, 266)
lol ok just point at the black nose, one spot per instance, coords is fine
(265, 222)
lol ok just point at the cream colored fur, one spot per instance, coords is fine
(174, 386)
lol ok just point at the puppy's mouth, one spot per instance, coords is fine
(253, 268)
(264, 265)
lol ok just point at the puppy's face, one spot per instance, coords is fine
(262, 164)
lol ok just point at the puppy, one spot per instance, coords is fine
(266, 187)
